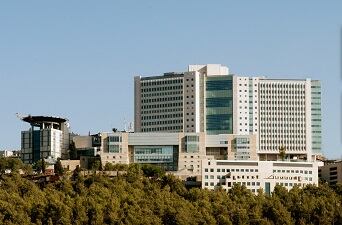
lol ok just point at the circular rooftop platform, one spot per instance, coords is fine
(43, 119)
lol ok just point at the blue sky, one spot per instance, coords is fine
(77, 59)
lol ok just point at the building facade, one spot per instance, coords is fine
(258, 174)
(219, 160)
(331, 172)
(180, 153)
(288, 117)
(281, 112)
(8, 153)
(48, 137)
(175, 102)
(159, 103)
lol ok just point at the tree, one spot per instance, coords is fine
(76, 173)
(109, 166)
(3, 165)
(152, 171)
(96, 165)
(282, 153)
(59, 168)
(72, 151)
(43, 166)
(39, 166)
(119, 167)
(27, 169)
(134, 173)
(135, 198)
(14, 165)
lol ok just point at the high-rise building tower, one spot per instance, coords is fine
(175, 102)
(159, 103)
(290, 116)
(280, 112)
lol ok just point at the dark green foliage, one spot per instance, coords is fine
(145, 195)
(95, 164)
(11, 165)
(152, 171)
(282, 152)
(59, 168)
(39, 166)
(115, 167)
(73, 151)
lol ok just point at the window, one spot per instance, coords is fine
(191, 143)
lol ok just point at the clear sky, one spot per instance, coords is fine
(77, 59)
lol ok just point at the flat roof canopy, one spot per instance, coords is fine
(43, 119)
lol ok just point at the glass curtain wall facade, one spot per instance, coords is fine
(192, 143)
(36, 145)
(316, 117)
(219, 105)
(163, 156)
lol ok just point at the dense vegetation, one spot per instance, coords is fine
(145, 195)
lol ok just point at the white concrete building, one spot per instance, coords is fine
(289, 118)
(6, 153)
(281, 112)
(246, 104)
(258, 174)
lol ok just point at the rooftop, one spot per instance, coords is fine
(43, 119)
